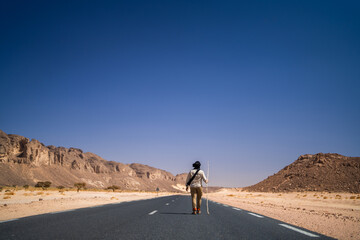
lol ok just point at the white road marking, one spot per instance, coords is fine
(167, 204)
(299, 230)
(9, 220)
(259, 216)
(172, 200)
(63, 211)
(225, 205)
(237, 209)
(153, 212)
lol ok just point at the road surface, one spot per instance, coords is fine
(160, 218)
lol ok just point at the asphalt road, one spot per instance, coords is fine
(160, 218)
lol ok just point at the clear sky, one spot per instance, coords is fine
(246, 85)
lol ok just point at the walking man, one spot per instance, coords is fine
(194, 180)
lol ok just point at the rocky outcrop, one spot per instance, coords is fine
(25, 162)
(315, 172)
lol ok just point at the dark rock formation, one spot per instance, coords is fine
(319, 172)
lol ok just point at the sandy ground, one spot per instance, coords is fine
(333, 214)
(26, 203)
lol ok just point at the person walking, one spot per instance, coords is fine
(194, 180)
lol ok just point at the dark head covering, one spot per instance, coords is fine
(197, 165)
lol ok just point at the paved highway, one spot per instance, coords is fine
(161, 218)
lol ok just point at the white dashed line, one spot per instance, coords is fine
(299, 230)
(237, 209)
(153, 212)
(9, 220)
(259, 216)
(225, 205)
(167, 204)
(63, 211)
(172, 200)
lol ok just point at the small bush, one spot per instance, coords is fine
(231, 195)
(325, 197)
(60, 187)
(113, 187)
(43, 185)
(6, 197)
(79, 185)
(9, 193)
(1, 188)
(40, 193)
(26, 187)
(352, 197)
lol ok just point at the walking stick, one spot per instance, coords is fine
(207, 192)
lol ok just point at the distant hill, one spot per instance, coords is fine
(319, 172)
(26, 162)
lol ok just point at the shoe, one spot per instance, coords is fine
(194, 211)
(198, 211)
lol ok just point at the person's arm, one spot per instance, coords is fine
(187, 180)
(204, 177)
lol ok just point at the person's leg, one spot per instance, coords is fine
(193, 197)
(198, 199)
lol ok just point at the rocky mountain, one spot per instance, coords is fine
(26, 162)
(319, 172)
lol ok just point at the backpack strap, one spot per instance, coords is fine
(192, 178)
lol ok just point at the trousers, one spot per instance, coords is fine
(196, 194)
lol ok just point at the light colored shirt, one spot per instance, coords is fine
(197, 182)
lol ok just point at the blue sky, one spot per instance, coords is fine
(246, 85)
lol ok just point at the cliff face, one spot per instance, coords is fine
(25, 162)
(317, 172)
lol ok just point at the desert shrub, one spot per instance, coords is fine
(325, 197)
(60, 187)
(231, 195)
(1, 188)
(40, 193)
(43, 185)
(113, 187)
(79, 185)
(352, 197)
(338, 197)
(26, 186)
(9, 193)
(6, 197)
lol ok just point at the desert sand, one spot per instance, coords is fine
(22, 203)
(333, 214)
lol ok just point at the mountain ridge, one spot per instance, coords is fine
(24, 161)
(315, 172)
